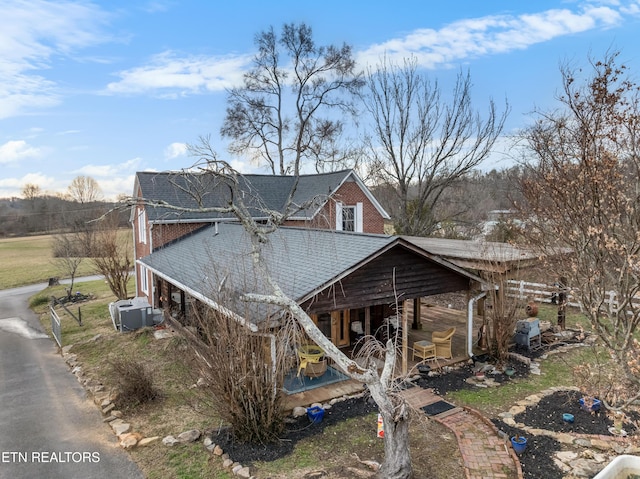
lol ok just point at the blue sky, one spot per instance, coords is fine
(108, 88)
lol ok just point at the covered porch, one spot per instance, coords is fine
(432, 318)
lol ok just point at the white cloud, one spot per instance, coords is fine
(175, 76)
(118, 185)
(112, 170)
(174, 150)
(491, 35)
(17, 150)
(33, 32)
(10, 187)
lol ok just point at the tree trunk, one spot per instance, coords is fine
(397, 460)
(395, 415)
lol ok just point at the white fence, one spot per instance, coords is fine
(55, 326)
(545, 293)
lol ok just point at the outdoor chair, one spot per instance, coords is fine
(307, 354)
(315, 370)
(442, 340)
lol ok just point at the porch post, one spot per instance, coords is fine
(367, 320)
(416, 314)
(405, 339)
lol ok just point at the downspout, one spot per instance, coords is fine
(470, 305)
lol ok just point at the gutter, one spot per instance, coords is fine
(470, 305)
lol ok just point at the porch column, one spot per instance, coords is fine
(417, 324)
(367, 321)
(405, 340)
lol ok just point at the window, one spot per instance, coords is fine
(349, 218)
(144, 280)
(142, 226)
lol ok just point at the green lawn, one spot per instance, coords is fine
(29, 260)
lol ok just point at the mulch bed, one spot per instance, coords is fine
(296, 430)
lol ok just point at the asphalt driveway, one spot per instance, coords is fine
(48, 426)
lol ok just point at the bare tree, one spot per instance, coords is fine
(31, 191)
(276, 116)
(69, 255)
(381, 386)
(581, 191)
(84, 189)
(111, 254)
(420, 143)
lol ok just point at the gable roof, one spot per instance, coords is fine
(478, 255)
(302, 261)
(261, 192)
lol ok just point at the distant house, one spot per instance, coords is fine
(338, 201)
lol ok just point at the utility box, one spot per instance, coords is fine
(135, 313)
(528, 331)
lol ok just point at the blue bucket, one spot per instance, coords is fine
(315, 414)
(519, 444)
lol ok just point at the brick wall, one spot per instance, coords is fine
(350, 194)
(163, 234)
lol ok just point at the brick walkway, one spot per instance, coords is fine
(485, 455)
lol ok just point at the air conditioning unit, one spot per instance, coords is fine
(135, 313)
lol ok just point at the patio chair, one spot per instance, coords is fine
(315, 370)
(442, 340)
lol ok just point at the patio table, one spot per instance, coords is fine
(424, 350)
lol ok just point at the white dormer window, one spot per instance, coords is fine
(142, 225)
(349, 217)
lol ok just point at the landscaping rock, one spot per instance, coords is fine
(120, 427)
(129, 440)
(147, 441)
(299, 411)
(170, 441)
(189, 436)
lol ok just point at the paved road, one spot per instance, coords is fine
(48, 426)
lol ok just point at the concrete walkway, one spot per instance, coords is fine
(484, 453)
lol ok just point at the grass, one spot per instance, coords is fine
(29, 260)
(173, 414)
(556, 370)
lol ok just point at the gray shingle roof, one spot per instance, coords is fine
(300, 260)
(268, 190)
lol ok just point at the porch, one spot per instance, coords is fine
(432, 318)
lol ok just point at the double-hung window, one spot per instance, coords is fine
(142, 225)
(144, 279)
(349, 217)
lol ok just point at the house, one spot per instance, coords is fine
(174, 204)
(337, 277)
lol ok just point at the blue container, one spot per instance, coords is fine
(519, 444)
(566, 417)
(595, 404)
(315, 414)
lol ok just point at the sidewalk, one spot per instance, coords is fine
(484, 453)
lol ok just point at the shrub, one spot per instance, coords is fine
(135, 383)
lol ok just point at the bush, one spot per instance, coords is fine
(135, 383)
